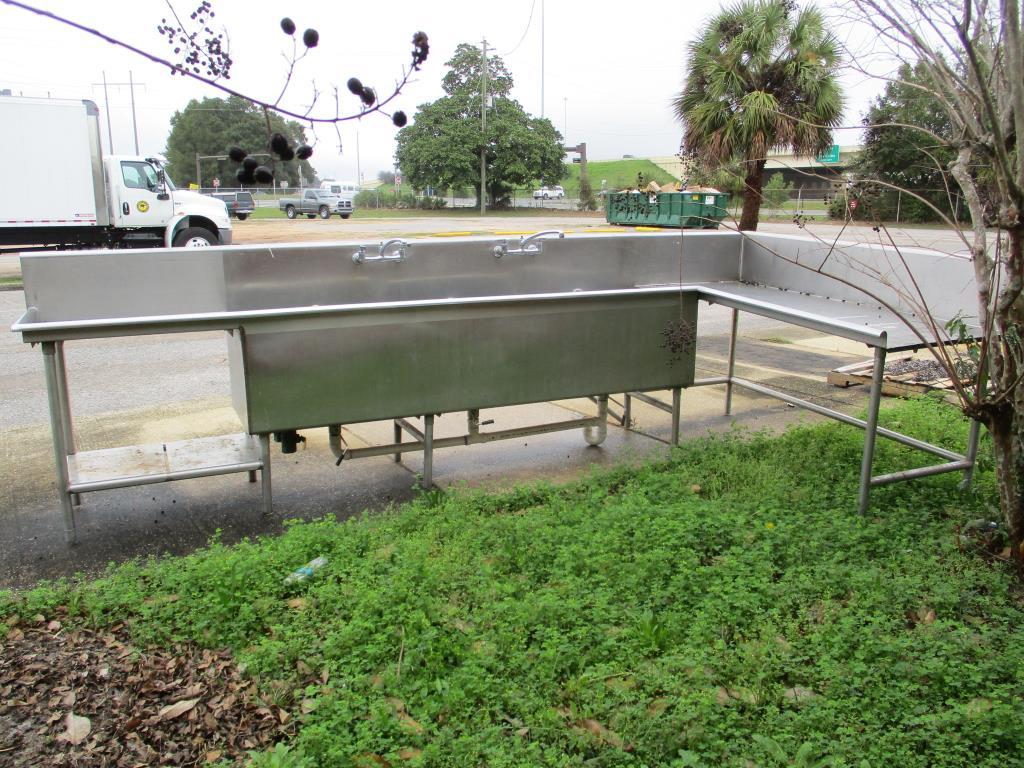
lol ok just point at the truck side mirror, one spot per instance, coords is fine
(161, 181)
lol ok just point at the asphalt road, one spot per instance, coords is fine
(141, 390)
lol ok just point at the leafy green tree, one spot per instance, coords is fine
(776, 191)
(760, 76)
(212, 126)
(441, 148)
(908, 145)
(465, 69)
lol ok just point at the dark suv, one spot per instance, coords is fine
(239, 204)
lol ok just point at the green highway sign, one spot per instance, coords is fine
(829, 156)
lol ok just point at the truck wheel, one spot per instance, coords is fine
(345, 215)
(289, 211)
(324, 211)
(195, 237)
(242, 216)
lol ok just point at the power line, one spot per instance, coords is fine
(529, 21)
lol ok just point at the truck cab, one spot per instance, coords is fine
(143, 198)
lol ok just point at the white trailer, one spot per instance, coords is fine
(60, 191)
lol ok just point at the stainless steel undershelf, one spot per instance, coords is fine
(128, 466)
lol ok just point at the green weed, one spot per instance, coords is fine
(724, 605)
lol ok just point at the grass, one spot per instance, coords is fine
(724, 607)
(620, 174)
(10, 282)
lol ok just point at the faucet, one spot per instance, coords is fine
(530, 246)
(402, 245)
(360, 256)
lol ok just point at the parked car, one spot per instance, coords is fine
(239, 204)
(315, 202)
(546, 193)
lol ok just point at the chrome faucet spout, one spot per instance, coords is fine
(525, 242)
(528, 246)
(360, 257)
(402, 245)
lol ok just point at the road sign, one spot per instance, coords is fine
(216, 182)
(853, 205)
(829, 156)
(398, 179)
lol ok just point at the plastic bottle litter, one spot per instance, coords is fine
(303, 573)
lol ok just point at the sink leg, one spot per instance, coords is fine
(972, 453)
(871, 431)
(268, 499)
(59, 432)
(428, 451)
(732, 361)
(597, 434)
(397, 457)
(677, 396)
(65, 409)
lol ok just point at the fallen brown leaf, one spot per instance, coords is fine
(799, 693)
(78, 728)
(600, 732)
(177, 709)
(408, 723)
(370, 760)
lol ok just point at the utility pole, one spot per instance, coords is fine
(135, 125)
(106, 99)
(359, 168)
(483, 129)
(106, 104)
(542, 58)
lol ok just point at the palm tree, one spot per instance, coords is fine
(761, 76)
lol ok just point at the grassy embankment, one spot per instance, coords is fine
(725, 607)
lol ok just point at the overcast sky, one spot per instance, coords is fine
(610, 69)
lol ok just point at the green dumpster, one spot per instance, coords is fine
(691, 210)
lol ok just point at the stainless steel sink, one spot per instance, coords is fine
(337, 333)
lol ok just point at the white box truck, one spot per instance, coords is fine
(60, 191)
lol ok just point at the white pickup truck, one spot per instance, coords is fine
(60, 191)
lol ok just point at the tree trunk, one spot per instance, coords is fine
(752, 196)
(1004, 426)
(1007, 423)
